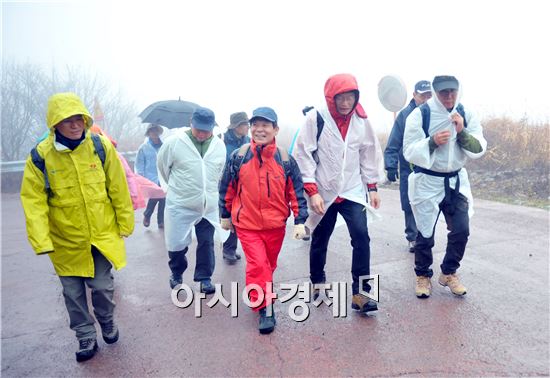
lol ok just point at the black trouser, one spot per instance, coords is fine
(458, 224)
(205, 261)
(230, 245)
(355, 216)
(151, 207)
(410, 224)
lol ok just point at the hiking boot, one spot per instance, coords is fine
(86, 349)
(412, 244)
(146, 221)
(207, 287)
(451, 280)
(363, 304)
(175, 281)
(109, 332)
(316, 290)
(423, 287)
(230, 257)
(266, 323)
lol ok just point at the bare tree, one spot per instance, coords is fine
(25, 91)
(23, 108)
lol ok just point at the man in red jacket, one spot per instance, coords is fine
(260, 185)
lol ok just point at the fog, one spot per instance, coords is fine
(237, 55)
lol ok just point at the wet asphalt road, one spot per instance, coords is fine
(500, 328)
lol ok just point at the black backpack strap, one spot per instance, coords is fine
(99, 149)
(460, 110)
(238, 162)
(40, 163)
(320, 125)
(426, 112)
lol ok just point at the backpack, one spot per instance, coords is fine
(425, 111)
(320, 125)
(40, 163)
(243, 151)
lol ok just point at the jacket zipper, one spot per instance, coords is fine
(240, 208)
(268, 188)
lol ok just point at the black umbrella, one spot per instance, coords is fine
(169, 113)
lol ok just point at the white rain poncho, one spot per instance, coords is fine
(425, 191)
(345, 167)
(192, 186)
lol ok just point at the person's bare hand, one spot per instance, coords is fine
(442, 137)
(458, 121)
(317, 204)
(374, 199)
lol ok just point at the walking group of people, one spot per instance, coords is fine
(78, 207)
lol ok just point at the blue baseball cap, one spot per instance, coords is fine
(265, 113)
(203, 119)
(423, 86)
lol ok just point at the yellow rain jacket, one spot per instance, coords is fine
(90, 204)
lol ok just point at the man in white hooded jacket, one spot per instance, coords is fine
(438, 141)
(338, 167)
(191, 163)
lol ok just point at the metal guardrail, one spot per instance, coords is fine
(19, 166)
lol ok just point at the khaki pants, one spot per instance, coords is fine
(102, 288)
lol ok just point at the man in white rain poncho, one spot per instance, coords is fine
(337, 166)
(440, 136)
(191, 163)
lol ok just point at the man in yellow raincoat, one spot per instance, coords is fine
(77, 210)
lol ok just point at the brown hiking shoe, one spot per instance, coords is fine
(362, 303)
(451, 280)
(423, 287)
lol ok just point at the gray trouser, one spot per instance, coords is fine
(102, 287)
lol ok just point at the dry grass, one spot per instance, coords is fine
(516, 167)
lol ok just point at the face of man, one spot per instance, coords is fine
(241, 130)
(345, 102)
(421, 98)
(447, 97)
(154, 135)
(71, 127)
(200, 135)
(263, 131)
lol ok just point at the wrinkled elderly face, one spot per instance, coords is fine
(242, 129)
(421, 98)
(201, 135)
(263, 131)
(72, 127)
(447, 97)
(345, 102)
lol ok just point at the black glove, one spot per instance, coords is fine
(392, 174)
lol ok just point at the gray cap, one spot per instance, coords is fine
(203, 119)
(236, 119)
(444, 82)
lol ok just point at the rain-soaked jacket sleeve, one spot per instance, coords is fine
(117, 189)
(35, 206)
(228, 187)
(295, 193)
(371, 157)
(165, 159)
(475, 130)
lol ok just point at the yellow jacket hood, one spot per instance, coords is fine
(65, 105)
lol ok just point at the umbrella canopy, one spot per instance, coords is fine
(392, 93)
(169, 113)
